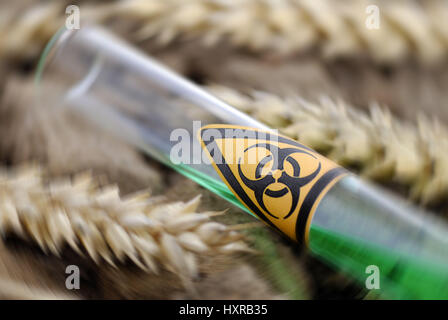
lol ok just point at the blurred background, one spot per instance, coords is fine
(363, 82)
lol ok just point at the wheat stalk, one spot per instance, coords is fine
(378, 145)
(337, 28)
(98, 223)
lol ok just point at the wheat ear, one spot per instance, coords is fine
(98, 223)
(378, 145)
(337, 28)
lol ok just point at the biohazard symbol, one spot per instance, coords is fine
(279, 180)
(277, 174)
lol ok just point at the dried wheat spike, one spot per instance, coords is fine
(380, 146)
(338, 28)
(99, 223)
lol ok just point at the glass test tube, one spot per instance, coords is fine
(356, 225)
